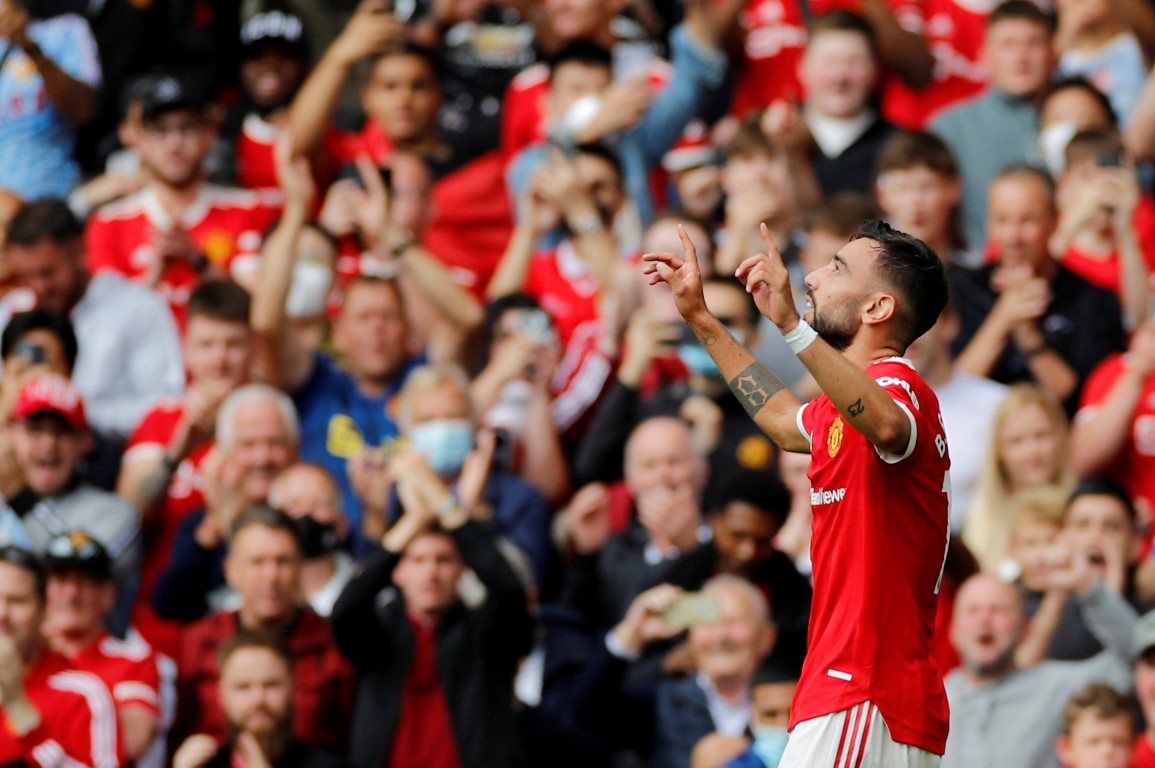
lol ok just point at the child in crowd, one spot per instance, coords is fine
(1098, 729)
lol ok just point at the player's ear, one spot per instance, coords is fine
(879, 308)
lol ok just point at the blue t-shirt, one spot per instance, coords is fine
(36, 139)
(337, 421)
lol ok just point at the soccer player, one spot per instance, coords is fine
(870, 694)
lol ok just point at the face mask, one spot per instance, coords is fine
(317, 539)
(1053, 141)
(309, 291)
(769, 743)
(445, 442)
(698, 360)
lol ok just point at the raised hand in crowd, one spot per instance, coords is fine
(196, 750)
(646, 339)
(372, 483)
(645, 622)
(586, 520)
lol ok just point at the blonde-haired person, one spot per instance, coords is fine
(1029, 447)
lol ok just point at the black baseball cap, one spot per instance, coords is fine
(165, 93)
(77, 550)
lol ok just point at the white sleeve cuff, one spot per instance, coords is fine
(894, 458)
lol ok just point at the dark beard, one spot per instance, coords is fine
(835, 337)
(273, 743)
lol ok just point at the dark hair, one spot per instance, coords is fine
(30, 562)
(917, 274)
(56, 323)
(763, 490)
(1028, 171)
(268, 517)
(1093, 143)
(840, 214)
(49, 218)
(219, 299)
(598, 149)
(1101, 486)
(254, 638)
(373, 281)
(916, 149)
(1079, 82)
(1021, 9)
(749, 141)
(1102, 701)
(841, 20)
(581, 52)
(430, 57)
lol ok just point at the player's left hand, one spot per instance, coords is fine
(682, 274)
(767, 280)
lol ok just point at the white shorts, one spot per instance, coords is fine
(854, 738)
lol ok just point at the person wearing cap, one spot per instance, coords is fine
(80, 595)
(50, 714)
(50, 436)
(1006, 716)
(179, 227)
(1144, 647)
(274, 62)
(128, 355)
(49, 75)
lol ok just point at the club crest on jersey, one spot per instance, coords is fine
(834, 437)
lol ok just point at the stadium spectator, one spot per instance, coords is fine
(770, 700)
(264, 567)
(1096, 42)
(80, 595)
(256, 697)
(1067, 106)
(1098, 729)
(1144, 667)
(52, 713)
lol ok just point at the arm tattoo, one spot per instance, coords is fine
(856, 408)
(755, 386)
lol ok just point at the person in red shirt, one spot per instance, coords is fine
(161, 470)
(80, 594)
(52, 715)
(179, 227)
(870, 693)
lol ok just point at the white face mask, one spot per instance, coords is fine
(1053, 141)
(309, 291)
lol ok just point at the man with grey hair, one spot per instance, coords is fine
(257, 436)
(1004, 716)
(727, 647)
(665, 479)
(436, 419)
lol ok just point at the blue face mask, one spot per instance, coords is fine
(698, 360)
(769, 743)
(445, 442)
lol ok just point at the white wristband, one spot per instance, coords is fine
(801, 337)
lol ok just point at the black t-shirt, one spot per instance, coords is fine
(1083, 323)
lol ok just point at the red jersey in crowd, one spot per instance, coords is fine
(563, 283)
(78, 724)
(183, 496)
(775, 37)
(881, 526)
(1134, 468)
(1104, 272)
(226, 225)
(1144, 756)
(954, 33)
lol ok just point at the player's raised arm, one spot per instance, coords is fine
(865, 405)
(764, 396)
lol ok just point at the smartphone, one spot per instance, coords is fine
(34, 353)
(350, 173)
(693, 609)
(1110, 160)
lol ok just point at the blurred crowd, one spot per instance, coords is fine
(338, 425)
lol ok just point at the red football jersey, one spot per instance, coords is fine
(227, 225)
(1134, 467)
(1144, 756)
(775, 37)
(565, 287)
(183, 497)
(881, 527)
(78, 724)
(954, 33)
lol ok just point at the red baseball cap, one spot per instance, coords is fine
(51, 393)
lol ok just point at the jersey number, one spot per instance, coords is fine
(946, 549)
